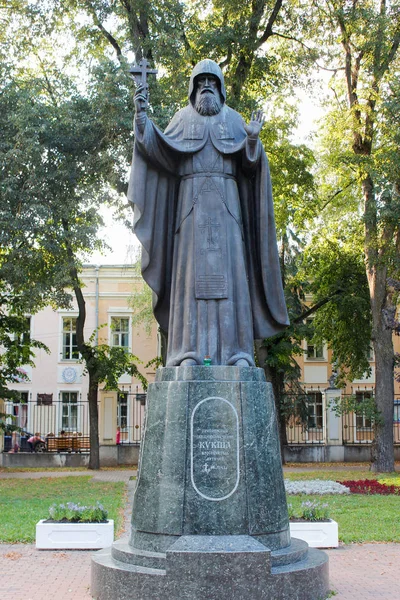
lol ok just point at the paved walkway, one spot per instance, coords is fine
(357, 571)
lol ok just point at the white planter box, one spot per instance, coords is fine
(317, 534)
(74, 536)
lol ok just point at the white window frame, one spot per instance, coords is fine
(62, 404)
(364, 426)
(310, 430)
(315, 415)
(308, 345)
(126, 428)
(11, 405)
(16, 336)
(64, 316)
(112, 332)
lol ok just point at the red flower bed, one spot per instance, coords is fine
(370, 486)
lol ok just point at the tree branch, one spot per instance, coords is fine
(105, 33)
(317, 306)
(49, 87)
(294, 39)
(337, 194)
(392, 53)
(272, 18)
(80, 321)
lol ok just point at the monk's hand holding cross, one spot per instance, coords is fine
(140, 99)
(256, 122)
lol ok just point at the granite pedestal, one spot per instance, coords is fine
(209, 516)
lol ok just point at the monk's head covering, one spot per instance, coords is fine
(206, 67)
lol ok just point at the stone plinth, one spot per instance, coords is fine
(209, 516)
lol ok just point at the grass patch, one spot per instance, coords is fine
(361, 518)
(23, 502)
(340, 475)
(50, 469)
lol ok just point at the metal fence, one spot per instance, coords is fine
(64, 425)
(130, 417)
(358, 425)
(71, 419)
(310, 427)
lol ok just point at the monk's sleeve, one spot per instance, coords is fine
(251, 154)
(153, 145)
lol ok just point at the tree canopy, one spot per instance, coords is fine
(66, 116)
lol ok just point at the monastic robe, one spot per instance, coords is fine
(203, 213)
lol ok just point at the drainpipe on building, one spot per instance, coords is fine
(96, 270)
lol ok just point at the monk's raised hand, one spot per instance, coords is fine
(256, 122)
(140, 99)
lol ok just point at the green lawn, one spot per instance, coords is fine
(23, 502)
(361, 518)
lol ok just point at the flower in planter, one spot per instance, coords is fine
(310, 511)
(77, 513)
(314, 511)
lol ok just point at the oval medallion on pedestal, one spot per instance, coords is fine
(215, 449)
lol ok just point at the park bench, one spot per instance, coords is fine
(68, 443)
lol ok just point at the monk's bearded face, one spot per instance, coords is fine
(208, 98)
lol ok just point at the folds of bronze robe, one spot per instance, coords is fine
(204, 216)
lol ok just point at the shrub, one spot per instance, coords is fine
(370, 486)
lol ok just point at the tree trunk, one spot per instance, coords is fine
(94, 460)
(278, 387)
(383, 450)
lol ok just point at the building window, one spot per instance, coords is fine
(69, 408)
(314, 351)
(19, 410)
(122, 410)
(362, 421)
(120, 332)
(25, 336)
(315, 410)
(69, 347)
(370, 354)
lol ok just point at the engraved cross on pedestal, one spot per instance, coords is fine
(139, 73)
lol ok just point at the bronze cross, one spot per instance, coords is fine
(139, 73)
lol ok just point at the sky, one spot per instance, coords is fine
(124, 244)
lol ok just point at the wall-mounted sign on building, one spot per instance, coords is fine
(69, 374)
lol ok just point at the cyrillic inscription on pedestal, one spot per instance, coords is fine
(215, 448)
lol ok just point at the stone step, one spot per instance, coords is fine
(296, 552)
(304, 580)
(123, 552)
(105, 559)
(314, 560)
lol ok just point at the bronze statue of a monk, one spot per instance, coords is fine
(203, 213)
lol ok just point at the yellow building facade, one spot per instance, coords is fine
(54, 392)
